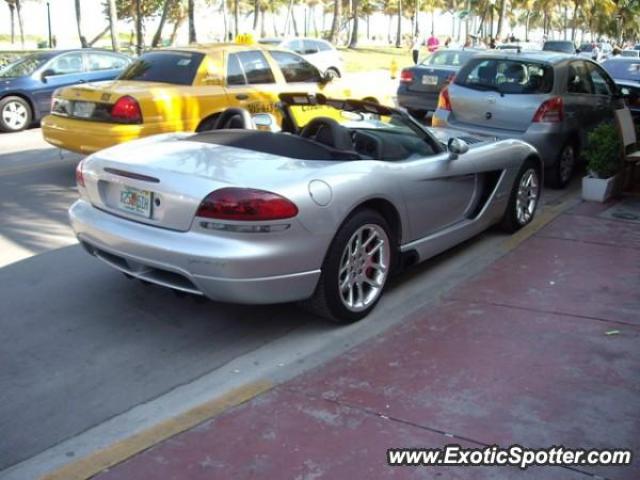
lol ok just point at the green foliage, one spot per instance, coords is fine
(604, 151)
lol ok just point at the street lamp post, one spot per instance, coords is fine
(49, 25)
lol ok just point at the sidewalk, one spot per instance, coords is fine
(540, 349)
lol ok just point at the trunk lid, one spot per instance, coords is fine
(430, 79)
(492, 109)
(170, 176)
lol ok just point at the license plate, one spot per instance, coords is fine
(83, 109)
(136, 201)
(429, 80)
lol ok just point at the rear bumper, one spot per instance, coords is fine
(548, 140)
(418, 101)
(193, 262)
(82, 136)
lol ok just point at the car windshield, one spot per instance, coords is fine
(166, 67)
(623, 70)
(449, 58)
(24, 66)
(506, 76)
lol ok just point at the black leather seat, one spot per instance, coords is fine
(234, 118)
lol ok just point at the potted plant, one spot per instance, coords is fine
(604, 163)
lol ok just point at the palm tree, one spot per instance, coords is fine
(113, 24)
(192, 23)
(157, 38)
(399, 32)
(12, 11)
(353, 43)
(335, 24)
(83, 40)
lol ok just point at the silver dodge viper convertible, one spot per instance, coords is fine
(321, 212)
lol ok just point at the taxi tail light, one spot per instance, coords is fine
(550, 111)
(127, 110)
(80, 175)
(246, 204)
(444, 101)
(406, 76)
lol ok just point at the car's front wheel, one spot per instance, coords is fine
(333, 72)
(355, 269)
(15, 114)
(524, 198)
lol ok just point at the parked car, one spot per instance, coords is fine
(26, 85)
(562, 46)
(626, 73)
(321, 213)
(630, 52)
(420, 84)
(548, 100)
(318, 52)
(184, 90)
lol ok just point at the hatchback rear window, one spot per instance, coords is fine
(167, 67)
(506, 76)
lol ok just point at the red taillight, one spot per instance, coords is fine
(406, 76)
(444, 102)
(79, 175)
(551, 111)
(126, 109)
(246, 204)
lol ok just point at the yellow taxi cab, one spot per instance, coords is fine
(183, 89)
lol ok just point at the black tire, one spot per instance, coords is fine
(417, 114)
(327, 301)
(333, 72)
(512, 221)
(208, 123)
(15, 114)
(559, 175)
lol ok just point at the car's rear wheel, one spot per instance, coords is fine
(355, 269)
(15, 114)
(333, 72)
(560, 174)
(524, 198)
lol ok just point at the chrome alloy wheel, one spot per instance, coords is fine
(527, 197)
(364, 267)
(567, 160)
(15, 115)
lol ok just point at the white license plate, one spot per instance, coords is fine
(429, 80)
(83, 109)
(135, 201)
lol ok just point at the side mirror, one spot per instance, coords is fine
(456, 147)
(265, 122)
(47, 73)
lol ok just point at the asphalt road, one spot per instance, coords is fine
(82, 347)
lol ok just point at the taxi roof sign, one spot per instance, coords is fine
(245, 39)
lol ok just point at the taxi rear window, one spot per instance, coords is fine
(166, 67)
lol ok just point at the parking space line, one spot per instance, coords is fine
(118, 452)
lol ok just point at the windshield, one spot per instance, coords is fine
(450, 59)
(623, 70)
(506, 76)
(166, 67)
(24, 66)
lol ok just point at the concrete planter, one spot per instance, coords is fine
(600, 189)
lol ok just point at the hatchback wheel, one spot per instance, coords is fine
(560, 174)
(524, 198)
(333, 73)
(355, 269)
(15, 114)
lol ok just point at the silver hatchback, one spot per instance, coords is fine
(549, 100)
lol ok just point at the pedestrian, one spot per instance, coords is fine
(433, 43)
(492, 43)
(415, 49)
(447, 42)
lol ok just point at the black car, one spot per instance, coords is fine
(420, 85)
(626, 73)
(564, 46)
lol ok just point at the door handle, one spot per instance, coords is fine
(242, 96)
(81, 81)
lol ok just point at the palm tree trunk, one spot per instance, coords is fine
(225, 19)
(575, 20)
(176, 27)
(501, 22)
(192, 21)
(139, 35)
(399, 32)
(113, 24)
(256, 13)
(236, 17)
(13, 22)
(354, 31)
(83, 40)
(335, 24)
(165, 12)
